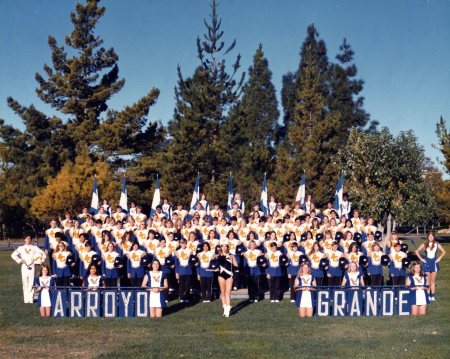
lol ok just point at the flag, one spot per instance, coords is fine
(123, 196)
(339, 193)
(263, 200)
(94, 201)
(156, 197)
(301, 190)
(230, 193)
(196, 193)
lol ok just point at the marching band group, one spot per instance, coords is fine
(179, 252)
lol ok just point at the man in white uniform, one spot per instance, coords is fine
(28, 256)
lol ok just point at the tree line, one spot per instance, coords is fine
(225, 120)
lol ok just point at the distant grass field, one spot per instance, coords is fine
(261, 330)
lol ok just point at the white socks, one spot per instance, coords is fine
(227, 309)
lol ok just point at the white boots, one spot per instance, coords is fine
(226, 310)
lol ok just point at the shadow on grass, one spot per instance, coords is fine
(240, 306)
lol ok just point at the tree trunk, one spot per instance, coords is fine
(388, 230)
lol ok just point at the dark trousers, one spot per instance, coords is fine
(319, 282)
(206, 287)
(398, 280)
(291, 287)
(184, 286)
(136, 282)
(62, 281)
(376, 279)
(253, 287)
(334, 281)
(274, 288)
(110, 282)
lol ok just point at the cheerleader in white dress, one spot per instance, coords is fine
(43, 285)
(428, 255)
(156, 282)
(418, 297)
(305, 285)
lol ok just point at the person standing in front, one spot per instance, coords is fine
(28, 256)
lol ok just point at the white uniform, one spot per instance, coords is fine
(31, 255)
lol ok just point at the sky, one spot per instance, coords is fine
(402, 49)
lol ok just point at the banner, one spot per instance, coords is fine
(133, 302)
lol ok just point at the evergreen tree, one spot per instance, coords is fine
(443, 146)
(79, 84)
(345, 94)
(202, 103)
(311, 139)
(251, 129)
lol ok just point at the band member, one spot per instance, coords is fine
(43, 285)
(183, 271)
(396, 269)
(135, 271)
(335, 272)
(253, 271)
(431, 260)
(225, 277)
(204, 274)
(293, 255)
(27, 256)
(418, 296)
(109, 268)
(156, 281)
(305, 286)
(60, 267)
(315, 255)
(375, 267)
(274, 272)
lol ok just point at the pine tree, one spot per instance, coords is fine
(311, 139)
(345, 94)
(251, 127)
(80, 81)
(202, 102)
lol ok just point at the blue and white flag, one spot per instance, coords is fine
(123, 196)
(301, 190)
(339, 193)
(94, 201)
(263, 201)
(156, 197)
(196, 193)
(230, 193)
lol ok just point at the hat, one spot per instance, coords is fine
(363, 261)
(261, 261)
(214, 264)
(284, 261)
(319, 236)
(193, 260)
(169, 261)
(343, 263)
(324, 264)
(240, 249)
(357, 237)
(303, 259)
(406, 263)
(117, 261)
(404, 248)
(385, 260)
(339, 236)
(378, 236)
(70, 260)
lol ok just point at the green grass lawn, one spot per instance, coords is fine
(261, 330)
